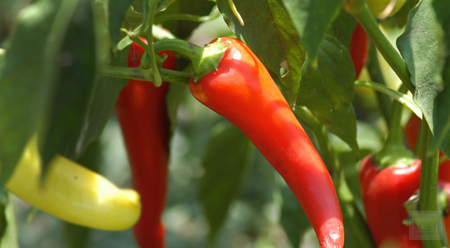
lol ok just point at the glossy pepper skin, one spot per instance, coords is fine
(411, 131)
(358, 49)
(383, 193)
(142, 114)
(446, 187)
(242, 91)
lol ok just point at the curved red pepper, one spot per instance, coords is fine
(242, 91)
(383, 193)
(411, 131)
(358, 49)
(142, 114)
(446, 187)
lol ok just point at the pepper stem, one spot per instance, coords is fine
(204, 59)
(394, 153)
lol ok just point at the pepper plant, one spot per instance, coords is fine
(175, 123)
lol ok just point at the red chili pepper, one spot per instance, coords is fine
(446, 187)
(142, 114)
(411, 131)
(383, 193)
(358, 49)
(242, 91)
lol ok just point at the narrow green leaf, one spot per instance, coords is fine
(226, 162)
(27, 77)
(271, 35)
(76, 63)
(174, 98)
(312, 19)
(327, 91)
(116, 13)
(419, 47)
(400, 97)
(98, 109)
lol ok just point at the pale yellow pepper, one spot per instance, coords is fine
(73, 193)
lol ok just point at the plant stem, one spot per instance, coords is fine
(145, 75)
(360, 10)
(399, 96)
(145, 21)
(376, 75)
(236, 12)
(394, 152)
(428, 183)
(321, 134)
(154, 67)
(395, 128)
(204, 59)
(188, 17)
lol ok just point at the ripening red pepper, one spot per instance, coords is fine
(411, 131)
(358, 49)
(242, 91)
(383, 193)
(142, 114)
(446, 187)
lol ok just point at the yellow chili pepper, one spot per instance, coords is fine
(73, 193)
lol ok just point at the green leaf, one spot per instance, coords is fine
(8, 226)
(357, 233)
(342, 28)
(174, 98)
(98, 109)
(116, 13)
(327, 91)
(312, 19)
(28, 76)
(442, 114)
(226, 162)
(419, 47)
(271, 35)
(76, 63)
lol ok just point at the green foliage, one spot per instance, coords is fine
(226, 162)
(328, 91)
(420, 48)
(272, 37)
(51, 53)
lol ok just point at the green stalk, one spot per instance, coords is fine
(428, 184)
(204, 59)
(187, 17)
(321, 134)
(153, 65)
(376, 75)
(394, 153)
(360, 10)
(145, 21)
(145, 75)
